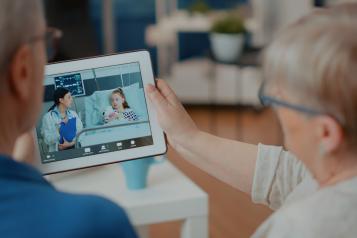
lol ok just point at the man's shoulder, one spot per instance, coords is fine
(88, 205)
(92, 215)
(42, 211)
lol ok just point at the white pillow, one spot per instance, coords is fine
(136, 100)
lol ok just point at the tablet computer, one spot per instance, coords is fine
(95, 112)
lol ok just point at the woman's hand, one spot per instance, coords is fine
(24, 150)
(172, 116)
(65, 145)
(113, 115)
(230, 161)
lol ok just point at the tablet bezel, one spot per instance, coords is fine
(159, 144)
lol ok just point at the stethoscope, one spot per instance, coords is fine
(55, 115)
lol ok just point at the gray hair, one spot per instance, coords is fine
(18, 19)
(315, 60)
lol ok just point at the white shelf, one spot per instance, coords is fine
(201, 81)
(164, 32)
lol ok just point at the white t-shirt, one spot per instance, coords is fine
(303, 210)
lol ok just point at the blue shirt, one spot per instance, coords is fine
(31, 207)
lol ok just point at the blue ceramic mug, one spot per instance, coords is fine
(136, 172)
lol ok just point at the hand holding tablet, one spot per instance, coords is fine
(96, 112)
(172, 116)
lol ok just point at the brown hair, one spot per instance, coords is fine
(121, 93)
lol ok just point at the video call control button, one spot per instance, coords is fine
(132, 143)
(104, 149)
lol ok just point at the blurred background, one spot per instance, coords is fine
(209, 52)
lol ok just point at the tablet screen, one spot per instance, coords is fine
(93, 111)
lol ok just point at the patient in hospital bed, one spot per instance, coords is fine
(119, 109)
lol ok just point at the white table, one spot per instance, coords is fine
(170, 196)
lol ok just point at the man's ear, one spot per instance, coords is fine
(20, 73)
(330, 133)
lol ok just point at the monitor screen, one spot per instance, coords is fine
(72, 82)
(93, 111)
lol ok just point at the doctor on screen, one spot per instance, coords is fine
(61, 125)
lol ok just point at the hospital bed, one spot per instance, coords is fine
(96, 132)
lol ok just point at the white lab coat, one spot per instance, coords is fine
(50, 127)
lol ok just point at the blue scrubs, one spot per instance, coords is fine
(31, 207)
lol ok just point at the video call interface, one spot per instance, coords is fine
(93, 111)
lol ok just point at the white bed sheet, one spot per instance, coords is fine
(108, 135)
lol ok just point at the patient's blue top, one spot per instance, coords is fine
(31, 207)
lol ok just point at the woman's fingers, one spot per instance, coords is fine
(172, 116)
(162, 96)
(156, 97)
(60, 147)
(167, 92)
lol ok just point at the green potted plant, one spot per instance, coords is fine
(227, 38)
(199, 7)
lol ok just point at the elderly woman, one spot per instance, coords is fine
(311, 82)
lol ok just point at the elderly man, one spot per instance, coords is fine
(29, 205)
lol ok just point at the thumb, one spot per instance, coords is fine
(156, 97)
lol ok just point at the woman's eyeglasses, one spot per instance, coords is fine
(266, 100)
(51, 38)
